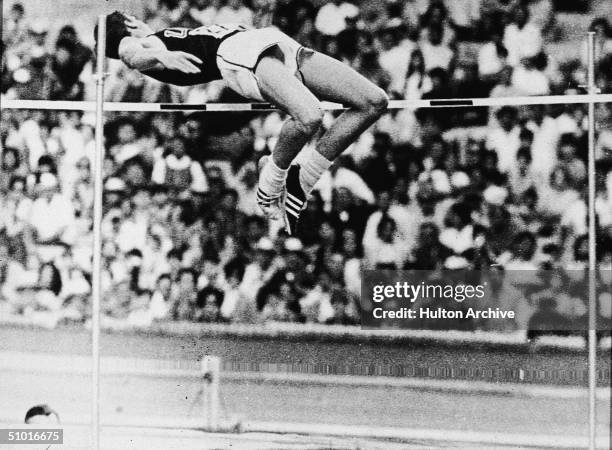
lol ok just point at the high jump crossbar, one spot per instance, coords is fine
(328, 106)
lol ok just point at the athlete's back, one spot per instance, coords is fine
(201, 42)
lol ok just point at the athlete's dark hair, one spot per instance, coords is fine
(116, 29)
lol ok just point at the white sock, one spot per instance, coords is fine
(313, 166)
(272, 179)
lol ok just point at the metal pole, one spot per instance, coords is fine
(211, 368)
(592, 336)
(97, 234)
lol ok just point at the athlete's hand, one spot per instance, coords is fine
(137, 27)
(181, 61)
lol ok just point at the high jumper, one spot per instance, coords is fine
(262, 65)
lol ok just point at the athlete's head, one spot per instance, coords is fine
(116, 30)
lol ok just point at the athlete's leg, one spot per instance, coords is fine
(278, 85)
(332, 80)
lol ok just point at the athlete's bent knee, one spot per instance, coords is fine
(309, 122)
(377, 101)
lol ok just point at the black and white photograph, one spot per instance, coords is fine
(305, 224)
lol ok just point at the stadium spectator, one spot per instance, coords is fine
(436, 19)
(331, 18)
(184, 296)
(177, 171)
(436, 54)
(504, 139)
(522, 37)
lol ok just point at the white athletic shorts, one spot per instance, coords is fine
(237, 57)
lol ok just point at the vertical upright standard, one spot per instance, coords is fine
(97, 234)
(211, 371)
(592, 335)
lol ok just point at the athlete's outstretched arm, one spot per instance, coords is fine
(136, 56)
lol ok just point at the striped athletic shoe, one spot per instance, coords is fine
(271, 206)
(294, 200)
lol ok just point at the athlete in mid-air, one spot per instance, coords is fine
(262, 65)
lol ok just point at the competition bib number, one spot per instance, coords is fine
(216, 31)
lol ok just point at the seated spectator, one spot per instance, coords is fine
(521, 254)
(127, 142)
(177, 171)
(417, 81)
(457, 237)
(278, 299)
(52, 215)
(436, 53)
(492, 56)
(348, 40)
(377, 170)
(331, 18)
(352, 254)
(236, 306)
(395, 56)
(522, 177)
(347, 212)
(545, 140)
(525, 212)
(504, 139)
(367, 63)
(184, 297)
(504, 88)
(436, 16)
(567, 156)
(159, 306)
(428, 253)
(530, 77)
(339, 176)
(387, 249)
(406, 222)
(66, 69)
(558, 194)
(464, 16)
(522, 37)
(574, 217)
(15, 26)
(603, 39)
(82, 194)
(11, 166)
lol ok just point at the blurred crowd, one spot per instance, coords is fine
(183, 238)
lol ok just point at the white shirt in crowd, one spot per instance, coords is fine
(407, 222)
(52, 218)
(522, 43)
(436, 55)
(544, 147)
(489, 62)
(506, 145)
(463, 12)
(395, 61)
(533, 82)
(198, 183)
(331, 18)
(343, 178)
